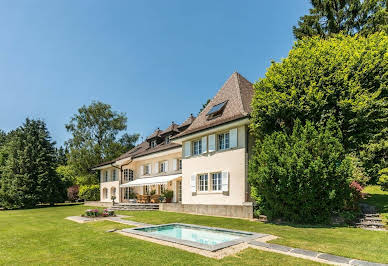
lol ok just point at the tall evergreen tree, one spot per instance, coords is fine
(28, 174)
(347, 16)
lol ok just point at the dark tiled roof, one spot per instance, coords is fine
(238, 93)
(188, 121)
(172, 128)
(155, 134)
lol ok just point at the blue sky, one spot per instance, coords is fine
(157, 61)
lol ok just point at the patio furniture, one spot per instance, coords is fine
(155, 198)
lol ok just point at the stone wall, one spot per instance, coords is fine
(98, 204)
(238, 211)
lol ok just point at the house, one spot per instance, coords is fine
(204, 161)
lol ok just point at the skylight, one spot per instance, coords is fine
(217, 108)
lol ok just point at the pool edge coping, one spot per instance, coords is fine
(213, 248)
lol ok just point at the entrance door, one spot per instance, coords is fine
(179, 191)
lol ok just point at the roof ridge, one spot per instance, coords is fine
(239, 92)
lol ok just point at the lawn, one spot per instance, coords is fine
(43, 236)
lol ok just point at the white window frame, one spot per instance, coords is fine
(127, 191)
(114, 175)
(153, 143)
(216, 181)
(203, 182)
(197, 147)
(179, 164)
(106, 176)
(147, 169)
(163, 188)
(223, 141)
(128, 175)
(162, 167)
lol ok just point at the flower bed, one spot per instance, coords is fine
(98, 213)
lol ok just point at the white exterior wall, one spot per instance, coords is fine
(232, 160)
(109, 185)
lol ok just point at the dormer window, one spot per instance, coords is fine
(216, 110)
(167, 139)
(153, 143)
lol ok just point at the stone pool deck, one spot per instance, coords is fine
(258, 243)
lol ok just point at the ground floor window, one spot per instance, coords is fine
(146, 190)
(162, 188)
(203, 182)
(216, 181)
(105, 193)
(127, 192)
(113, 192)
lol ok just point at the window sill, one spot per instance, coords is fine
(208, 192)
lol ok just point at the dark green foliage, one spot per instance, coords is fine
(61, 155)
(27, 168)
(204, 105)
(383, 180)
(303, 176)
(329, 17)
(94, 140)
(89, 192)
(342, 77)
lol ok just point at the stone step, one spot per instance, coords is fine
(263, 218)
(369, 225)
(371, 215)
(371, 220)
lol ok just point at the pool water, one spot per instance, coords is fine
(195, 234)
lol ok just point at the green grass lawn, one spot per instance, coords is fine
(43, 236)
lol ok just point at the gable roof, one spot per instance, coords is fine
(237, 91)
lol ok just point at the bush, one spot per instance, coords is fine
(72, 193)
(358, 171)
(303, 177)
(383, 180)
(99, 213)
(89, 192)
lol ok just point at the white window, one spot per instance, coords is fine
(180, 164)
(217, 181)
(147, 190)
(167, 139)
(197, 147)
(105, 193)
(114, 175)
(127, 192)
(106, 176)
(163, 166)
(128, 175)
(162, 188)
(147, 169)
(153, 143)
(113, 192)
(223, 141)
(203, 182)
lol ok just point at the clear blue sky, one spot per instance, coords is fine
(157, 61)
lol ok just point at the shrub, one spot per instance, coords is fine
(99, 213)
(358, 171)
(89, 192)
(302, 177)
(383, 180)
(355, 195)
(72, 193)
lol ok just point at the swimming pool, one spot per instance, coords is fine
(202, 237)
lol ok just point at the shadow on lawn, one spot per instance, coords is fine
(378, 200)
(40, 206)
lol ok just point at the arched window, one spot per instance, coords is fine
(105, 193)
(113, 192)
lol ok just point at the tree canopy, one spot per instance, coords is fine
(329, 17)
(27, 168)
(95, 129)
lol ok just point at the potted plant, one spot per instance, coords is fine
(113, 200)
(153, 192)
(168, 194)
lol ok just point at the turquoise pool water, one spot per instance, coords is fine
(195, 234)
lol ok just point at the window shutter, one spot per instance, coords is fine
(156, 170)
(174, 164)
(225, 181)
(233, 138)
(142, 170)
(150, 168)
(166, 166)
(187, 148)
(212, 143)
(193, 183)
(204, 144)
